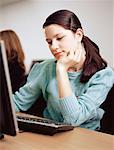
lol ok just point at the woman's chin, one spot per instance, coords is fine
(59, 57)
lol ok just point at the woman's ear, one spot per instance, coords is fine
(79, 34)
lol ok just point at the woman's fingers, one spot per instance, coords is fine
(72, 58)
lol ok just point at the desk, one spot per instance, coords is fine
(77, 139)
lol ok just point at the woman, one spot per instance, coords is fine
(76, 82)
(15, 55)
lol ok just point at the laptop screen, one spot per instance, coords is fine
(8, 123)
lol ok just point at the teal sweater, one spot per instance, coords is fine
(81, 108)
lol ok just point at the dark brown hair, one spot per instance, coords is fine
(13, 47)
(93, 62)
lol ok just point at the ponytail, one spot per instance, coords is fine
(93, 62)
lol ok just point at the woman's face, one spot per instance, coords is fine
(61, 40)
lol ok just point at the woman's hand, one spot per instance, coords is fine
(72, 60)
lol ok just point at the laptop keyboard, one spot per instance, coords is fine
(40, 125)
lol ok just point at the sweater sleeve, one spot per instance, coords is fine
(28, 94)
(76, 111)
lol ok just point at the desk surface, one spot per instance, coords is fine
(77, 139)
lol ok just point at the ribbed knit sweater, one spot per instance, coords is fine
(81, 108)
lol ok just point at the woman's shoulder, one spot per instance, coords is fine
(48, 61)
(106, 71)
(44, 62)
(105, 75)
(40, 67)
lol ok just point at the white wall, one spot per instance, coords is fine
(1, 19)
(27, 17)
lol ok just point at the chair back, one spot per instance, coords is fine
(107, 122)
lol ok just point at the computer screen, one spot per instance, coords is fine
(8, 123)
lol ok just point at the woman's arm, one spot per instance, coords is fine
(74, 60)
(64, 87)
(78, 110)
(28, 94)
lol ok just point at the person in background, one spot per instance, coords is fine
(16, 57)
(76, 82)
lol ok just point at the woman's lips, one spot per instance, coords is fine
(58, 54)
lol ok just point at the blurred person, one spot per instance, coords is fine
(15, 56)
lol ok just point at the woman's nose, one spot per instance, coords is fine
(54, 45)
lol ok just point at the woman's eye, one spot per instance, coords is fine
(49, 42)
(59, 38)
